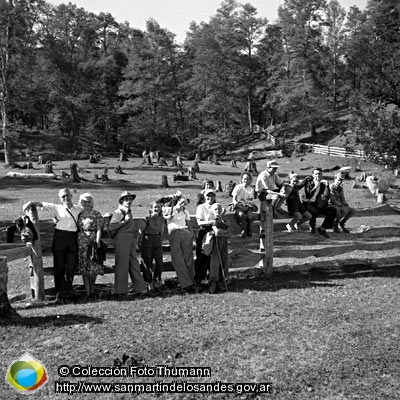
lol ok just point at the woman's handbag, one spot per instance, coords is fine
(208, 242)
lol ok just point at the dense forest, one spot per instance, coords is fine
(91, 81)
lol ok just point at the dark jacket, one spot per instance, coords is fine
(320, 194)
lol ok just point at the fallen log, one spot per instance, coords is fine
(30, 175)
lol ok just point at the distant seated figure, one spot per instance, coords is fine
(215, 160)
(343, 211)
(195, 166)
(161, 161)
(233, 163)
(147, 159)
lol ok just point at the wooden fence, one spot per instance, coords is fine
(263, 257)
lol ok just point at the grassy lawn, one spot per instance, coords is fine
(315, 336)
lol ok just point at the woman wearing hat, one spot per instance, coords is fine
(126, 260)
(90, 223)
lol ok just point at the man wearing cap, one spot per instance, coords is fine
(65, 242)
(126, 261)
(343, 211)
(315, 200)
(268, 187)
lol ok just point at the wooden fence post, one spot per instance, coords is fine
(6, 311)
(37, 284)
(267, 235)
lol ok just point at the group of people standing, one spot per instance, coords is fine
(78, 231)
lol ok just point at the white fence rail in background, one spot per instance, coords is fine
(335, 151)
(326, 150)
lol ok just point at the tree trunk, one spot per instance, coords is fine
(164, 181)
(8, 159)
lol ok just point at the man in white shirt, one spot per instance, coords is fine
(65, 243)
(268, 187)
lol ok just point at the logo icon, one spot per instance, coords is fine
(26, 374)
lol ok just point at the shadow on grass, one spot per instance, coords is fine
(52, 320)
(313, 279)
(120, 184)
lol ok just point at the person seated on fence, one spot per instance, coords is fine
(343, 211)
(243, 203)
(268, 187)
(181, 240)
(316, 199)
(90, 223)
(205, 221)
(219, 259)
(207, 184)
(123, 229)
(150, 244)
(65, 241)
(294, 204)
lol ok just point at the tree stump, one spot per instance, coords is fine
(251, 167)
(6, 311)
(123, 156)
(192, 173)
(74, 173)
(164, 181)
(219, 187)
(48, 168)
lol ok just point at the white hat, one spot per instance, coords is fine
(272, 164)
(126, 194)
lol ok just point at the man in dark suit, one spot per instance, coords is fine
(316, 198)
